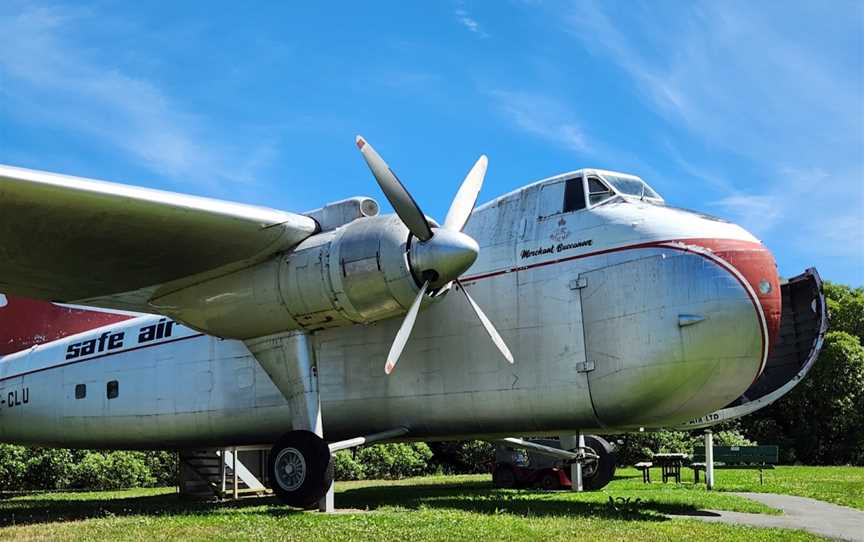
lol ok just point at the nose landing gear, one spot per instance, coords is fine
(545, 461)
(596, 473)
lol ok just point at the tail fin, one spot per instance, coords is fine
(27, 322)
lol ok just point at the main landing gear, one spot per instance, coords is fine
(301, 468)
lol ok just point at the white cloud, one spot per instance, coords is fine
(760, 212)
(544, 117)
(51, 78)
(746, 81)
(469, 22)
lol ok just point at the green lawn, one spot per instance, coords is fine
(840, 485)
(432, 508)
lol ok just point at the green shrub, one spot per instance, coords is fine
(164, 467)
(24, 468)
(48, 468)
(393, 461)
(346, 467)
(637, 447)
(13, 467)
(463, 457)
(113, 470)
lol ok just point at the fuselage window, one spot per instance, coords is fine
(80, 391)
(598, 191)
(574, 195)
(113, 389)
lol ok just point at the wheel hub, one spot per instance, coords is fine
(290, 469)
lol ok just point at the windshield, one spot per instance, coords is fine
(598, 191)
(631, 186)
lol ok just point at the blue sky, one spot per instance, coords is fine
(753, 111)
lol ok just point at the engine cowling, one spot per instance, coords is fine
(357, 273)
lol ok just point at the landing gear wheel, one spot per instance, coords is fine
(504, 477)
(598, 473)
(301, 471)
(550, 481)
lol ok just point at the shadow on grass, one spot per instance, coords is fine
(483, 498)
(49, 510)
(470, 496)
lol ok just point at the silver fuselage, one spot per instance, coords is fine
(617, 316)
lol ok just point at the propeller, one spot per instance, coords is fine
(440, 254)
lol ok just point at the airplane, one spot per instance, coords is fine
(133, 318)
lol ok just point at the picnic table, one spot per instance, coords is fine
(670, 465)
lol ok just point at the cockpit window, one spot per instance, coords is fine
(598, 191)
(631, 186)
(574, 195)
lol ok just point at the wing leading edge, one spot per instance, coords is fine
(80, 240)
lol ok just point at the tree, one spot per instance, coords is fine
(846, 309)
(635, 447)
(821, 421)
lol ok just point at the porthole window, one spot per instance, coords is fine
(80, 391)
(113, 389)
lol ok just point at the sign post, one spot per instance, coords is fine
(709, 459)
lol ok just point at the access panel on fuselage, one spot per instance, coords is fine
(551, 339)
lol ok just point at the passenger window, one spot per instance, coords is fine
(113, 389)
(597, 191)
(80, 391)
(574, 195)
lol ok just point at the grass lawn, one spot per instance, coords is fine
(431, 508)
(840, 485)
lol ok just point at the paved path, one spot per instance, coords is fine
(817, 517)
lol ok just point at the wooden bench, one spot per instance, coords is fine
(645, 467)
(736, 457)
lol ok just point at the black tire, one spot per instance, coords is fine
(503, 476)
(301, 470)
(597, 474)
(550, 481)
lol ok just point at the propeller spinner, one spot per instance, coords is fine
(439, 255)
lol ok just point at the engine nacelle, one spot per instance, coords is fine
(357, 273)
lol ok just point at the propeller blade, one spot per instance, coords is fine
(490, 329)
(404, 331)
(404, 205)
(466, 197)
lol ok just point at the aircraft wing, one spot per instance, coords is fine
(92, 242)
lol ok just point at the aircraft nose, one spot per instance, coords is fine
(756, 268)
(680, 333)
